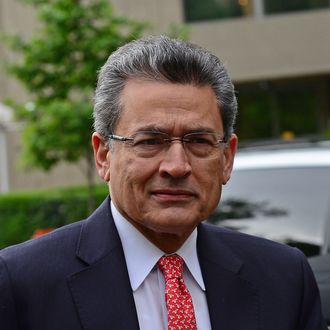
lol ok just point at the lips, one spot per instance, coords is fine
(173, 195)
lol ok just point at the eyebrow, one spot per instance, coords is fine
(157, 129)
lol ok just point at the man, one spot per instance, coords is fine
(164, 115)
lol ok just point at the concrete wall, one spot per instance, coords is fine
(63, 175)
(159, 12)
(14, 177)
(269, 47)
(273, 47)
(4, 166)
(15, 18)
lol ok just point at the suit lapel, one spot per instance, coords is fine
(103, 296)
(232, 298)
(101, 290)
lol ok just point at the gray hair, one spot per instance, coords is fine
(161, 58)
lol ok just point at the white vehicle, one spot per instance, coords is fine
(282, 192)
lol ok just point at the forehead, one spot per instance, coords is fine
(168, 106)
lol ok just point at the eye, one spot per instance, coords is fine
(148, 139)
(200, 139)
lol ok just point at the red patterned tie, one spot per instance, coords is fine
(180, 309)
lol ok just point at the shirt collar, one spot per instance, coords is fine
(141, 255)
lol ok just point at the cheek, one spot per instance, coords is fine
(210, 180)
(209, 174)
(119, 177)
(129, 177)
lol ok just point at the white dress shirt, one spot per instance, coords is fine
(147, 281)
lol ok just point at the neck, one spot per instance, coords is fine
(167, 242)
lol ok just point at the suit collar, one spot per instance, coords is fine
(232, 298)
(98, 235)
(212, 248)
(103, 296)
(101, 290)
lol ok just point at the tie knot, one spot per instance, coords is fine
(171, 266)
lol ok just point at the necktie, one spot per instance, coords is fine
(180, 309)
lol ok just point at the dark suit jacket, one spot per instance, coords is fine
(76, 278)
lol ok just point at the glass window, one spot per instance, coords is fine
(197, 10)
(282, 6)
(270, 109)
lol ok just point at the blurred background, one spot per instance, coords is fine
(277, 53)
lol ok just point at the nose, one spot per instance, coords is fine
(175, 162)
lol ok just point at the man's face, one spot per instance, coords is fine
(169, 194)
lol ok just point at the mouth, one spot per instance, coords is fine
(173, 195)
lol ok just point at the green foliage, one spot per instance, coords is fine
(54, 127)
(178, 31)
(327, 131)
(23, 213)
(59, 67)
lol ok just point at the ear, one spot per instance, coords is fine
(229, 155)
(101, 156)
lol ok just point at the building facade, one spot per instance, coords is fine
(277, 53)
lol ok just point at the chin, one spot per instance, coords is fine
(175, 224)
